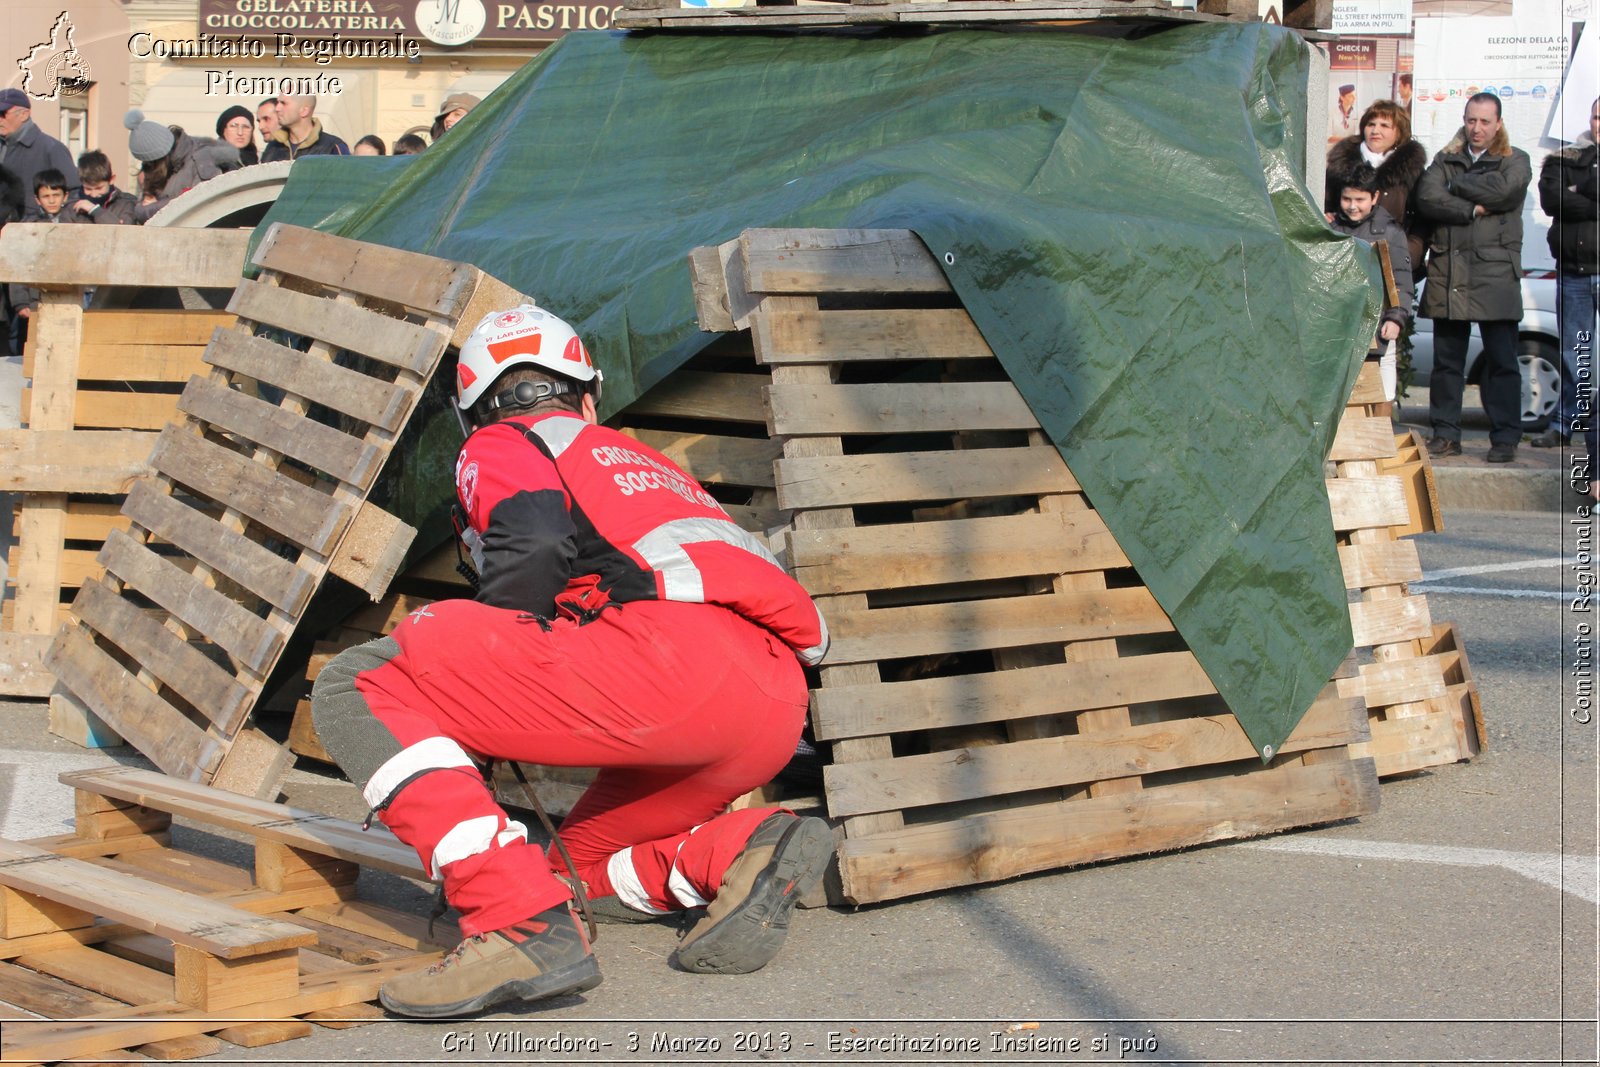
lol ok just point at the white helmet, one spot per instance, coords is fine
(523, 336)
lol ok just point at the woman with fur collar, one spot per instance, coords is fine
(1384, 144)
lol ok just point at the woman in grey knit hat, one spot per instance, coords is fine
(171, 162)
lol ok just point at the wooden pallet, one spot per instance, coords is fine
(253, 501)
(1002, 694)
(111, 939)
(1414, 678)
(762, 15)
(100, 383)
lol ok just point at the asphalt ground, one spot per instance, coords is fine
(1455, 925)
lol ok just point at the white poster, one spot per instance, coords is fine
(1580, 87)
(1371, 16)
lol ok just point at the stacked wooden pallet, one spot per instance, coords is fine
(762, 15)
(1414, 678)
(258, 494)
(114, 940)
(1003, 695)
(100, 383)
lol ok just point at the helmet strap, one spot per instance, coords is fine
(528, 394)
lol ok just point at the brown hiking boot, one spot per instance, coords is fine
(529, 960)
(744, 926)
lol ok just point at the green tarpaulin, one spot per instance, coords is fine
(1126, 221)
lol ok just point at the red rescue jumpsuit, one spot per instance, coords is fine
(624, 622)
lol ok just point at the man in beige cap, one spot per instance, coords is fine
(452, 111)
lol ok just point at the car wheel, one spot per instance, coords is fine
(1541, 381)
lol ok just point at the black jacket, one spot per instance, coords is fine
(318, 143)
(1376, 227)
(1474, 261)
(1567, 193)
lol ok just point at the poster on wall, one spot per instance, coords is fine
(1362, 71)
(1522, 59)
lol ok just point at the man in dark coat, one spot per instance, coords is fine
(25, 149)
(299, 133)
(1472, 196)
(1567, 193)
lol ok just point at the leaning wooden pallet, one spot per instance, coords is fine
(1002, 694)
(258, 498)
(83, 446)
(1421, 700)
(126, 943)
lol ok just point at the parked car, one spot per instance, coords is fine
(1538, 350)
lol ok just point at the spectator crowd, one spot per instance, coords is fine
(41, 182)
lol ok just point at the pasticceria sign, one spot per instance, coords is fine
(444, 22)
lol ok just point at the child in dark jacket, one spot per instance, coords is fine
(1360, 216)
(49, 205)
(102, 202)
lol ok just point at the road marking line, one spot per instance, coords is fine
(1478, 590)
(1578, 875)
(1493, 568)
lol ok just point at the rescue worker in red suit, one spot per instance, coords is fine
(623, 622)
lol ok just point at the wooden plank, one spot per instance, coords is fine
(417, 281)
(399, 344)
(1402, 681)
(322, 447)
(22, 669)
(177, 745)
(102, 973)
(217, 983)
(716, 397)
(99, 409)
(255, 567)
(882, 477)
(92, 520)
(253, 641)
(1380, 563)
(745, 461)
(1009, 622)
(74, 566)
(192, 1047)
(308, 830)
(55, 256)
(1411, 743)
(997, 770)
(1369, 386)
(933, 553)
(928, 703)
(253, 765)
(22, 914)
(48, 996)
(1391, 620)
(162, 328)
(113, 361)
(1367, 503)
(1362, 437)
(271, 1032)
(300, 513)
(708, 279)
(912, 407)
(839, 261)
(305, 375)
(176, 663)
(74, 1038)
(73, 461)
(855, 336)
(1004, 844)
(372, 550)
(187, 920)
